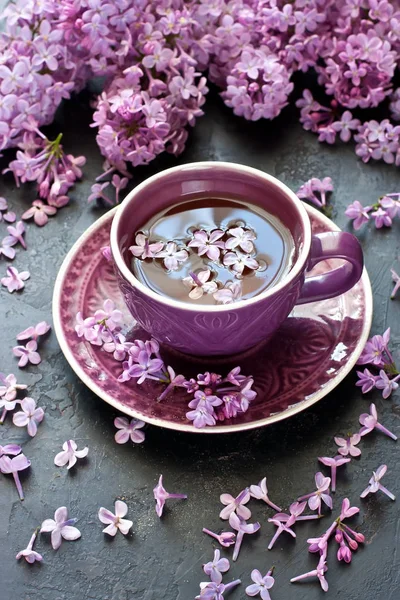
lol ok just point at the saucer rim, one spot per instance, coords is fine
(189, 428)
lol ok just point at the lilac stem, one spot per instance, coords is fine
(386, 491)
(18, 485)
(333, 477)
(238, 543)
(231, 584)
(275, 537)
(385, 431)
(3, 416)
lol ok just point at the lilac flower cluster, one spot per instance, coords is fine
(383, 212)
(377, 354)
(28, 353)
(214, 398)
(29, 416)
(214, 589)
(315, 191)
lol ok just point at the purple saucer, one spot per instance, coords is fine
(312, 352)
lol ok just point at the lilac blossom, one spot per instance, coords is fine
(315, 190)
(333, 463)
(215, 591)
(109, 316)
(216, 567)
(261, 584)
(369, 422)
(69, 454)
(231, 292)
(39, 212)
(242, 238)
(29, 416)
(34, 332)
(10, 387)
(115, 521)
(161, 495)
(358, 213)
(11, 466)
(17, 232)
(6, 248)
(173, 380)
(260, 492)
(366, 380)
(199, 284)
(346, 125)
(375, 350)
(97, 191)
(318, 572)
(10, 449)
(235, 505)
(239, 262)
(29, 554)
(226, 538)
(14, 279)
(375, 484)
(284, 522)
(60, 528)
(144, 249)
(144, 367)
(209, 244)
(129, 430)
(321, 494)
(119, 183)
(387, 385)
(396, 280)
(27, 354)
(348, 445)
(172, 256)
(242, 527)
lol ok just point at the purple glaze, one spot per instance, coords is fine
(224, 330)
(318, 344)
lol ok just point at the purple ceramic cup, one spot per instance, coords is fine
(232, 328)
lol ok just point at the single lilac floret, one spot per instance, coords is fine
(230, 293)
(239, 262)
(11, 466)
(348, 445)
(70, 454)
(318, 572)
(369, 422)
(129, 430)
(375, 484)
(60, 528)
(209, 244)
(242, 238)
(161, 495)
(226, 538)
(235, 505)
(261, 584)
(172, 256)
(27, 354)
(10, 387)
(215, 591)
(144, 249)
(333, 463)
(366, 380)
(260, 492)
(29, 554)
(242, 527)
(14, 280)
(216, 567)
(199, 284)
(115, 521)
(321, 494)
(34, 332)
(387, 385)
(29, 416)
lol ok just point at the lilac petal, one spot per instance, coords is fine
(56, 538)
(124, 526)
(70, 533)
(47, 526)
(20, 462)
(61, 514)
(122, 436)
(138, 436)
(121, 508)
(314, 502)
(20, 419)
(82, 453)
(256, 577)
(253, 589)
(213, 252)
(32, 428)
(106, 516)
(121, 422)
(61, 459)
(111, 529)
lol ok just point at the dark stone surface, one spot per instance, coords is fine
(162, 559)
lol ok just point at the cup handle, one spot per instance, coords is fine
(334, 244)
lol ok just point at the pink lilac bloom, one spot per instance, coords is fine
(242, 238)
(97, 191)
(316, 498)
(366, 380)
(10, 387)
(260, 492)
(375, 350)
(199, 284)
(348, 445)
(261, 584)
(375, 484)
(226, 538)
(17, 232)
(209, 244)
(11, 466)
(369, 422)
(315, 190)
(119, 184)
(115, 521)
(387, 385)
(14, 280)
(29, 554)
(129, 430)
(60, 528)
(88, 329)
(10, 449)
(27, 354)
(382, 218)
(284, 522)
(29, 416)
(396, 280)
(173, 380)
(230, 293)
(215, 591)
(172, 256)
(161, 495)
(144, 249)
(34, 332)
(39, 212)
(318, 572)
(346, 125)
(235, 505)
(238, 262)
(242, 527)
(216, 567)
(358, 213)
(109, 316)
(333, 463)
(6, 248)
(69, 454)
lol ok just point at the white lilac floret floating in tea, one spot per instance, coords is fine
(231, 248)
(213, 397)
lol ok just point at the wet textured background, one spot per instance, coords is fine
(162, 559)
